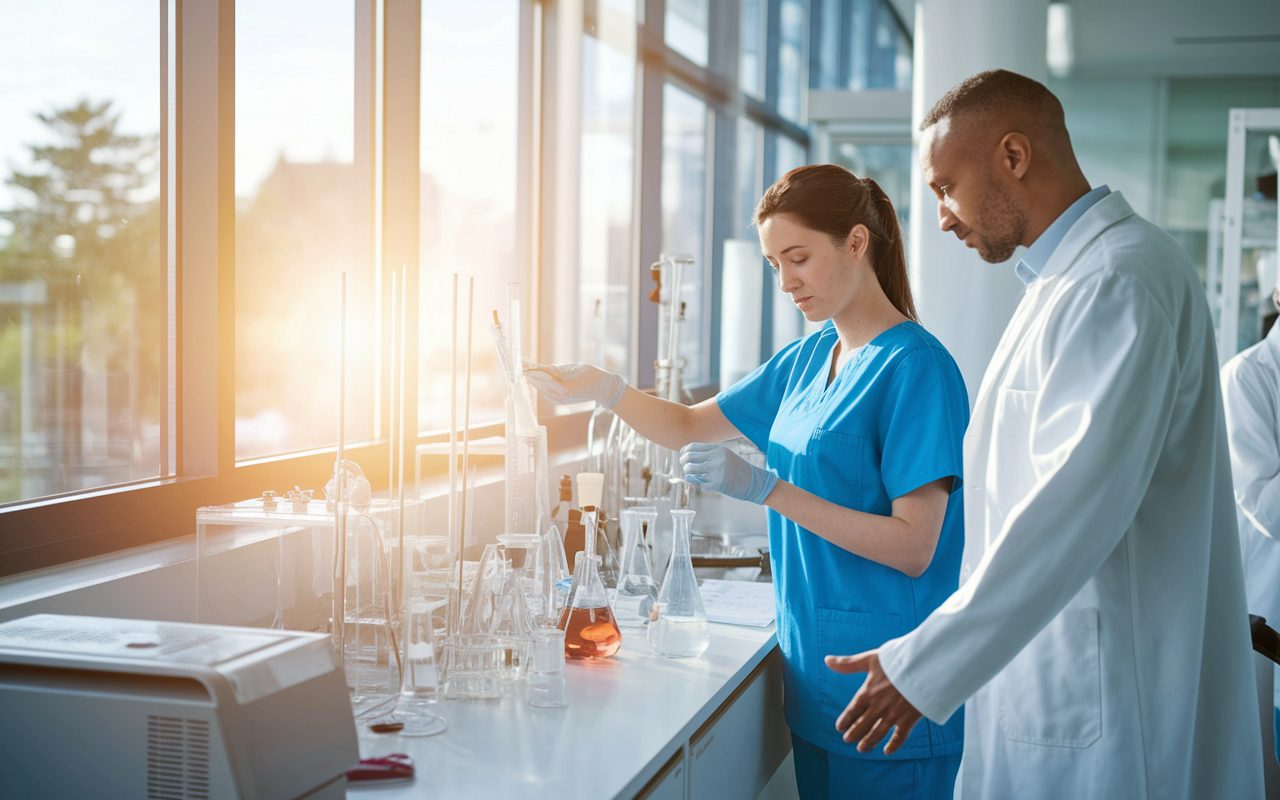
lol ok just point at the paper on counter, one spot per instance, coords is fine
(738, 602)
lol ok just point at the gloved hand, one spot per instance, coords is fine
(716, 468)
(563, 384)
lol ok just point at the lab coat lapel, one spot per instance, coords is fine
(1102, 215)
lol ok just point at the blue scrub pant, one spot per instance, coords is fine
(1275, 721)
(826, 776)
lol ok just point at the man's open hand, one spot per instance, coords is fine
(877, 708)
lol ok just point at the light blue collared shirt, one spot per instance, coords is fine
(1038, 254)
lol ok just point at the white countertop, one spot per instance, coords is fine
(627, 716)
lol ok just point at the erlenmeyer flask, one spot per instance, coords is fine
(551, 577)
(513, 622)
(587, 621)
(678, 623)
(637, 591)
(590, 630)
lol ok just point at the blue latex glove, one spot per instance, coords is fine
(715, 468)
(563, 384)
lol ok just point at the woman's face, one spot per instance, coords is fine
(823, 278)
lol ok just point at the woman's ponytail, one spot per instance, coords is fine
(888, 255)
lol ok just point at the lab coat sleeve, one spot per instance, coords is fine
(1255, 449)
(1097, 427)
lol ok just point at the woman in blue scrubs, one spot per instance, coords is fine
(861, 424)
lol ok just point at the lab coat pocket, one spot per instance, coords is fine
(1010, 472)
(1051, 693)
(847, 633)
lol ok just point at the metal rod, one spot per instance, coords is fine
(466, 433)
(454, 529)
(339, 515)
(405, 587)
(391, 418)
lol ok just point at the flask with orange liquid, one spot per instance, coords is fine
(590, 630)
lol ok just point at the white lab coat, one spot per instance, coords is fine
(1251, 394)
(1099, 633)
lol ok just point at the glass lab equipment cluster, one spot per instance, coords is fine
(420, 618)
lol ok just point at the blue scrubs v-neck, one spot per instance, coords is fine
(890, 421)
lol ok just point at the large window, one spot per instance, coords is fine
(859, 44)
(684, 199)
(788, 322)
(790, 59)
(751, 49)
(467, 210)
(84, 261)
(687, 28)
(166, 315)
(303, 216)
(605, 242)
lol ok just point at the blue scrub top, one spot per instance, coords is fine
(891, 421)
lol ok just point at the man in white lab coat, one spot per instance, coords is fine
(1251, 390)
(1099, 634)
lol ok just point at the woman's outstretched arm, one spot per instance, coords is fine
(669, 424)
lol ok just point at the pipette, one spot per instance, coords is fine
(504, 348)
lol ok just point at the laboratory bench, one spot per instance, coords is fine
(638, 725)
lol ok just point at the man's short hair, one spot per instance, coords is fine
(1002, 92)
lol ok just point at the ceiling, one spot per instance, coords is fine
(1132, 38)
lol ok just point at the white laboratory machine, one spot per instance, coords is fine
(106, 708)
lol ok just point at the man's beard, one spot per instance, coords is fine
(1006, 224)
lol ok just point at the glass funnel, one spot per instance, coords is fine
(590, 630)
(678, 623)
(636, 591)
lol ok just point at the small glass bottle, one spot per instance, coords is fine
(678, 623)
(590, 630)
(637, 591)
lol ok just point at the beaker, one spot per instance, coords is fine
(370, 650)
(425, 598)
(636, 591)
(547, 687)
(420, 678)
(678, 623)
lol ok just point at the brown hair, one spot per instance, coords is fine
(830, 199)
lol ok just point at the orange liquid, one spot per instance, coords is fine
(590, 632)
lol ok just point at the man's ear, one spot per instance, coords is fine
(1015, 153)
